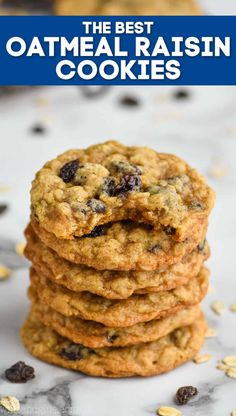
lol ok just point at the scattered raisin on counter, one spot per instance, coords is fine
(68, 171)
(20, 373)
(38, 129)
(3, 208)
(129, 101)
(181, 95)
(184, 394)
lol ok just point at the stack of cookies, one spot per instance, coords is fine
(117, 245)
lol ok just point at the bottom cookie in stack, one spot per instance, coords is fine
(144, 359)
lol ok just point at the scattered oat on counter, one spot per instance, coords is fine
(211, 289)
(233, 307)
(222, 367)
(218, 307)
(217, 170)
(4, 188)
(168, 411)
(4, 272)
(200, 359)
(10, 403)
(19, 248)
(231, 372)
(230, 360)
(42, 101)
(211, 333)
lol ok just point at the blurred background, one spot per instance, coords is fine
(117, 7)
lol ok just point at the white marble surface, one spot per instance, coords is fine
(202, 130)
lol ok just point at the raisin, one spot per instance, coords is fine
(130, 101)
(96, 206)
(68, 171)
(20, 373)
(196, 205)
(96, 232)
(76, 352)
(154, 248)
(184, 394)
(112, 338)
(170, 230)
(181, 95)
(3, 208)
(128, 183)
(38, 129)
(109, 185)
(72, 352)
(201, 246)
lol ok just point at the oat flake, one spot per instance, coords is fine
(211, 333)
(10, 403)
(200, 359)
(168, 411)
(233, 307)
(19, 248)
(218, 307)
(230, 360)
(4, 272)
(231, 372)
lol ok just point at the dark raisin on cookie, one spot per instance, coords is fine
(154, 248)
(109, 185)
(201, 246)
(96, 205)
(170, 230)
(68, 171)
(112, 338)
(20, 373)
(75, 352)
(3, 208)
(196, 205)
(129, 101)
(72, 352)
(96, 232)
(128, 183)
(184, 394)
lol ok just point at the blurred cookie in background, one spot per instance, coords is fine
(126, 7)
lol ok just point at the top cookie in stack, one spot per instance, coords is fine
(149, 208)
(117, 242)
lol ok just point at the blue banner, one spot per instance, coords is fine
(114, 50)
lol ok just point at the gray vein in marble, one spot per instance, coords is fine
(57, 398)
(8, 256)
